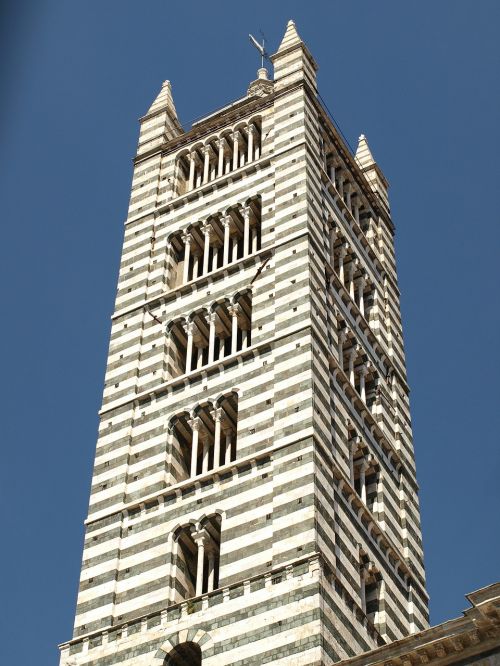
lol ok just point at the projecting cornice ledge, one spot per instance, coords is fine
(458, 641)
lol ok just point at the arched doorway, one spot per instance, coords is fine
(184, 654)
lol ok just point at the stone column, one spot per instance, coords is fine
(211, 318)
(206, 452)
(187, 238)
(234, 254)
(331, 173)
(226, 223)
(169, 267)
(352, 450)
(235, 149)
(192, 165)
(342, 254)
(200, 540)
(220, 163)
(227, 442)
(340, 188)
(257, 145)
(189, 328)
(333, 238)
(246, 230)
(207, 231)
(361, 294)
(254, 238)
(362, 381)
(352, 358)
(362, 481)
(251, 130)
(342, 338)
(199, 357)
(363, 588)
(348, 194)
(211, 571)
(357, 208)
(234, 311)
(352, 270)
(218, 417)
(215, 257)
(206, 163)
(196, 266)
(245, 334)
(195, 427)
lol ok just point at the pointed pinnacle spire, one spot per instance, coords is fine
(364, 154)
(164, 100)
(291, 37)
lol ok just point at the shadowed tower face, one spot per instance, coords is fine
(254, 497)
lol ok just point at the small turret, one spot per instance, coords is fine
(163, 110)
(262, 85)
(293, 61)
(371, 169)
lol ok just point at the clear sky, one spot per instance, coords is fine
(420, 79)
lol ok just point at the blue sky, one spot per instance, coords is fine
(419, 79)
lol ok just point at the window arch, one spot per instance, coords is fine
(220, 239)
(204, 439)
(205, 337)
(184, 654)
(196, 558)
(218, 155)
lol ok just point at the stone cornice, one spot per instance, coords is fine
(214, 122)
(476, 633)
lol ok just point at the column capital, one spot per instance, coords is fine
(227, 221)
(363, 369)
(188, 327)
(195, 423)
(218, 414)
(251, 128)
(245, 211)
(207, 149)
(200, 537)
(364, 466)
(343, 249)
(234, 309)
(211, 317)
(187, 237)
(207, 229)
(235, 135)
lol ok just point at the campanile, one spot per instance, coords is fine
(254, 497)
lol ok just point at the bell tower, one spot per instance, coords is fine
(254, 497)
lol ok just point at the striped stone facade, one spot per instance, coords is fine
(254, 497)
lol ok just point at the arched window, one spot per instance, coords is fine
(218, 156)
(205, 337)
(184, 654)
(196, 559)
(204, 441)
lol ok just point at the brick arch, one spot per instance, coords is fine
(198, 636)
